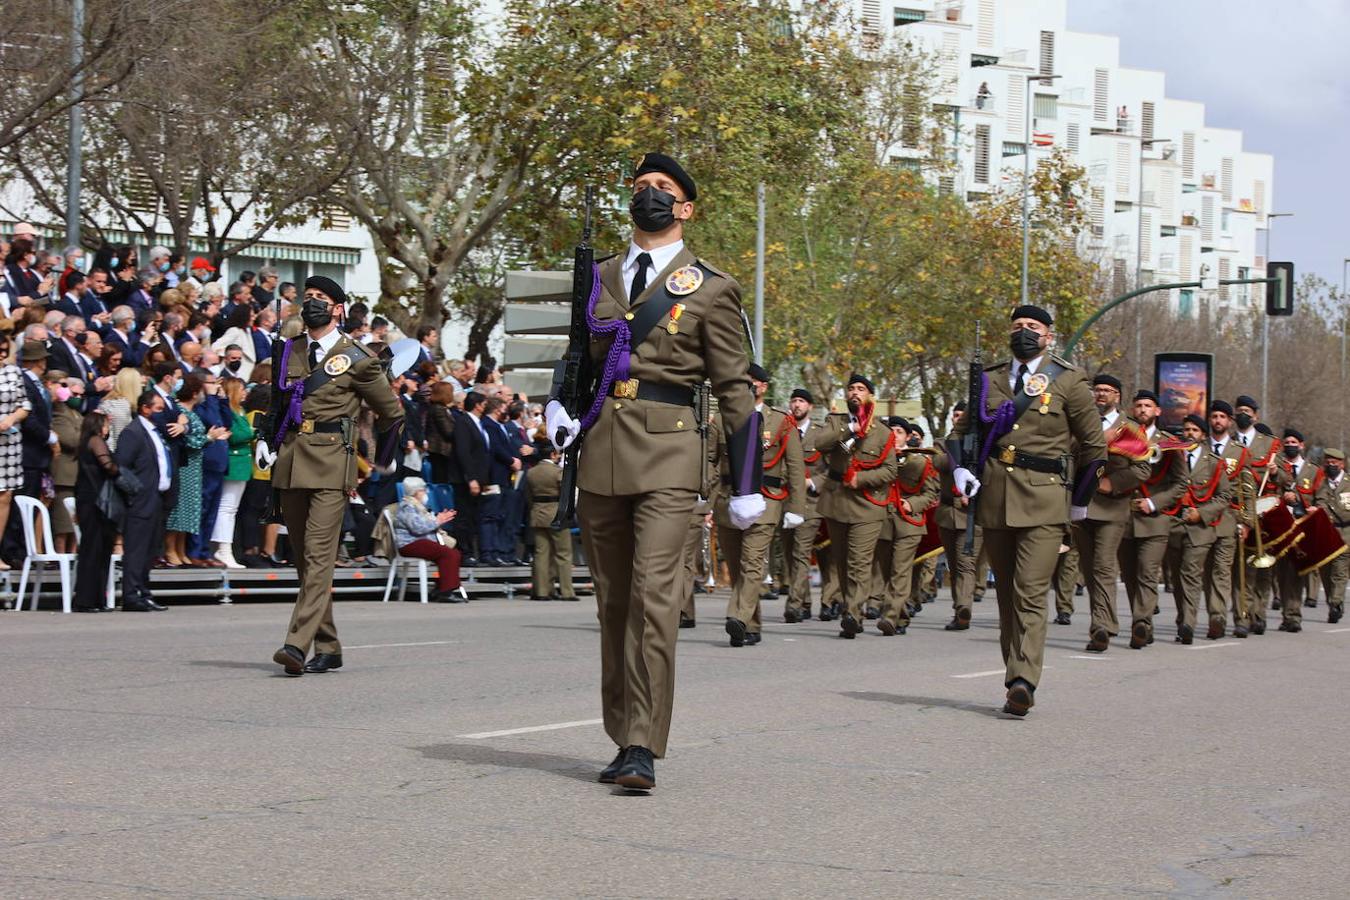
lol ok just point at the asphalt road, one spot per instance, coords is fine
(162, 754)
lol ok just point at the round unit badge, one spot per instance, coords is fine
(1036, 384)
(337, 365)
(684, 281)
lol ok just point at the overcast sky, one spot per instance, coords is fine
(1277, 71)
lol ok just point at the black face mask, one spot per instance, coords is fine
(914, 442)
(316, 313)
(234, 364)
(1333, 472)
(1293, 452)
(1025, 344)
(1243, 421)
(652, 210)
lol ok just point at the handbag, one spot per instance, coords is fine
(110, 502)
(446, 540)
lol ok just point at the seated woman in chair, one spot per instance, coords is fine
(417, 534)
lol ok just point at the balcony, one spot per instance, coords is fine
(983, 101)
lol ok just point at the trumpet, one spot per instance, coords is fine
(1261, 559)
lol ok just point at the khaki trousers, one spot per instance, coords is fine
(747, 555)
(1066, 573)
(1333, 576)
(1023, 560)
(851, 549)
(693, 546)
(1098, 548)
(314, 522)
(1141, 565)
(797, 560)
(899, 578)
(960, 565)
(1219, 578)
(881, 572)
(552, 561)
(1291, 589)
(1188, 578)
(635, 548)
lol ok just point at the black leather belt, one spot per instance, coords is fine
(768, 481)
(309, 426)
(635, 389)
(545, 499)
(1050, 465)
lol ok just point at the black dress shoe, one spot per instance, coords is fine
(459, 595)
(1140, 636)
(792, 617)
(1259, 626)
(540, 599)
(752, 638)
(871, 613)
(324, 662)
(291, 659)
(572, 599)
(736, 631)
(768, 595)
(1239, 631)
(1078, 591)
(1310, 603)
(1020, 698)
(1291, 627)
(959, 622)
(1185, 634)
(611, 771)
(1063, 619)
(469, 562)
(1333, 615)
(886, 627)
(849, 627)
(685, 622)
(142, 604)
(88, 609)
(638, 772)
(1216, 629)
(1098, 641)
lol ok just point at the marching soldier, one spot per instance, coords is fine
(797, 555)
(1066, 576)
(1334, 497)
(320, 379)
(861, 462)
(1262, 451)
(1201, 507)
(912, 497)
(1108, 518)
(552, 559)
(1042, 415)
(924, 589)
(1299, 480)
(663, 322)
(784, 483)
(1219, 568)
(1145, 543)
(951, 520)
(699, 532)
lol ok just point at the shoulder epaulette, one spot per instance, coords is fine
(1068, 366)
(364, 349)
(605, 258)
(711, 268)
(996, 366)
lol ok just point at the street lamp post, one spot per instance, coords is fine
(1144, 144)
(1026, 182)
(1265, 320)
(1345, 310)
(76, 129)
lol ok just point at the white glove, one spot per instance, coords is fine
(792, 520)
(746, 510)
(263, 457)
(1077, 513)
(556, 418)
(966, 482)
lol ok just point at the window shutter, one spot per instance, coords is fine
(984, 30)
(1146, 121)
(1123, 171)
(1226, 179)
(1101, 83)
(981, 154)
(1188, 155)
(1047, 53)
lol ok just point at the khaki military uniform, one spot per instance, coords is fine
(784, 489)
(1098, 536)
(853, 520)
(1304, 484)
(1024, 512)
(694, 538)
(951, 521)
(1207, 489)
(552, 549)
(1144, 545)
(1222, 554)
(797, 555)
(1334, 497)
(1249, 610)
(639, 475)
(314, 472)
(901, 533)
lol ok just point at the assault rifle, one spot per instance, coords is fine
(573, 377)
(970, 444)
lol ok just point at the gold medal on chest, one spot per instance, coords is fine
(1232, 466)
(684, 281)
(673, 326)
(1045, 403)
(1036, 384)
(337, 365)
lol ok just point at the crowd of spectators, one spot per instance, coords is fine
(159, 340)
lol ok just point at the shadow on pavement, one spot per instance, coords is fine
(480, 755)
(982, 709)
(234, 664)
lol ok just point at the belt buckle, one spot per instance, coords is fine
(1007, 455)
(306, 426)
(627, 389)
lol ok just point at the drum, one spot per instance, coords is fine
(930, 544)
(1317, 540)
(1276, 523)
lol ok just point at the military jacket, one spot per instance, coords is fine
(1123, 476)
(544, 482)
(784, 486)
(1165, 485)
(950, 513)
(1207, 490)
(871, 456)
(916, 482)
(1334, 497)
(816, 466)
(1304, 485)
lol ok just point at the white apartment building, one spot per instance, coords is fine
(1172, 199)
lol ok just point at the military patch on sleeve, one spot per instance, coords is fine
(337, 365)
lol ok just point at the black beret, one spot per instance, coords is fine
(855, 378)
(1146, 395)
(1221, 406)
(915, 426)
(1198, 421)
(804, 394)
(757, 372)
(960, 406)
(897, 422)
(1294, 433)
(659, 162)
(1033, 312)
(1263, 428)
(328, 286)
(1244, 400)
(1108, 380)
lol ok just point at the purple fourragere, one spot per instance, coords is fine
(296, 391)
(620, 351)
(997, 425)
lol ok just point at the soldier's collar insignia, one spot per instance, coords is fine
(337, 365)
(1036, 384)
(685, 280)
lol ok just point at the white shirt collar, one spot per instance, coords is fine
(661, 257)
(1151, 431)
(1245, 438)
(1110, 419)
(325, 343)
(1221, 441)
(1032, 366)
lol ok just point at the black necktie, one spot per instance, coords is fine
(1217, 451)
(640, 276)
(1021, 379)
(1190, 460)
(1244, 440)
(313, 355)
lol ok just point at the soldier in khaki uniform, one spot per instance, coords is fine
(951, 519)
(1299, 480)
(1219, 590)
(1042, 416)
(1249, 612)
(797, 556)
(913, 495)
(1334, 497)
(700, 525)
(1198, 514)
(1066, 577)
(861, 465)
(1145, 542)
(320, 379)
(552, 547)
(783, 487)
(643, 463)
(1108, 518)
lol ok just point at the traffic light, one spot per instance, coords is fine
(1280, 293)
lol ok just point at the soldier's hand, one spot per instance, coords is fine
(1191, 515)
(1077, 513)
(1290, 498)
(851, 480)
(560, 423)
(966, 482)
(263, 457)
(746, 509)
(792, 520)
(906, 508)
(1104, 485)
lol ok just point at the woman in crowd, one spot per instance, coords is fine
(96, 466)
(119, 403)
(24, 280)
(440, 436)
(186, 517)
(109, 361)
(153, 357)
(259, 538)
(14, 408)
(416, 534)
(240, 333)
(236, 476)
(67, 394)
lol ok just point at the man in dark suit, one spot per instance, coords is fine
(63, 352)
(142, 452)
(503, 462)
(36, 436)
(69, 302)
(92, 306)
(469, 473)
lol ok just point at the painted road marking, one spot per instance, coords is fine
(410, 644)
(557, 726)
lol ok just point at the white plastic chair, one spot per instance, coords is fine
(397, 565)
(110, 601)
(31, 514)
